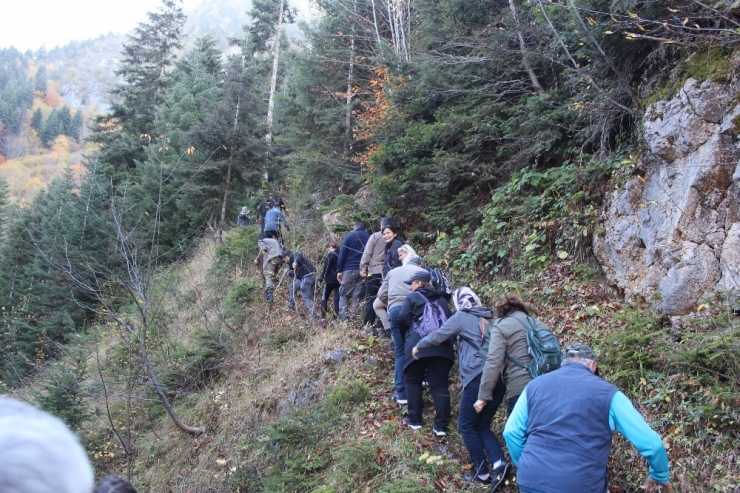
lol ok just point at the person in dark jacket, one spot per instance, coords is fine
(392, 244)
(243, 218)
(489, 464)
(329, 277)
(262, 209)
(348, 270)
(436, 361)
(371, 268)
(304, 274)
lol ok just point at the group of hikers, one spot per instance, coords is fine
(560, 424)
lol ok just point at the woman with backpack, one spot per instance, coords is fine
(507, 341)
(489, 464)
(422, 312)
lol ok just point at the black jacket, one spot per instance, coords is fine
(304, 266)
(329, 272)
(391, 255)
(413, 309)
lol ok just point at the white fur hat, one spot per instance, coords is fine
(38, 453)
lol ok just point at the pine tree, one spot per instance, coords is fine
(52, 129)
(75, 127)
(40, 80)
(36, 120)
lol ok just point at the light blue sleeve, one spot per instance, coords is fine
(515, 431)
(626, 420)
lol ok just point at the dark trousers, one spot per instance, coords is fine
(330, 288)
(510, 403)
(475, 428)
(372, 285)
(437, 371)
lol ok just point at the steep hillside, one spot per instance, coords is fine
(288, 406)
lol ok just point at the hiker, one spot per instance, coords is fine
(262, 209)
(348, 270)
(371, 268)
(392, 244)
(560, 432)
(329, 277)
(243, 218)
(38, 453)
(271, 255)
(489, 463)
(304, 274)
(432, 365)
(508, 336)
(391, 295)
(112, 484)
(274, 219)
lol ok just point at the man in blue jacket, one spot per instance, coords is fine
(348, 270)
(560, 432)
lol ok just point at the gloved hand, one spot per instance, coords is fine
(287, 227)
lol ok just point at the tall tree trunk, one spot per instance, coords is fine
(273, 78)
(523, 49)
(230, 165)
(348, 107)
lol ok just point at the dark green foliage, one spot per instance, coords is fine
(40, 80)
(16, 92)
(62, 389)
(36, 120)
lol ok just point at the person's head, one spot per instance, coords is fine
(244, 209)
(332, 246)
(406, 253)
(286, 256)
(359, 225)
(112, 484)
(508, 304)
(419, 279)
(582, 353)
(465, 298)
(417, 261)
(386, 221)
(38, 453)
(389, 234)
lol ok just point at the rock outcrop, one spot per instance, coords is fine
(672, 236)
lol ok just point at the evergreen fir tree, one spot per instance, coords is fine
(36, 120)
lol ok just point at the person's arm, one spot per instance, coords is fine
(342, 255)
(282, 218)
(629, 422)
(383, 292)
(450, 328)
(494, 364)
(367, 253)
(515, 431)
(325, 267)
(406, 315)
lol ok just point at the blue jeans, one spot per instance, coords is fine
(306, 286)
(399, 343)
(475, 428)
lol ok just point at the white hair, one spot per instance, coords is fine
(38, 453)
(410, 253)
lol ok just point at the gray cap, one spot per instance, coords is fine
(580, 350)
(419, 275)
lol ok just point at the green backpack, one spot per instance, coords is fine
(544, 348)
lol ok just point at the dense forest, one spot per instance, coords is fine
(489, 130)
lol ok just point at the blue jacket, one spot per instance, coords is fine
(351, 250)
(273, 219)
(560, 432)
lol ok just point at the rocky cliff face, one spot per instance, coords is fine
(672, 236)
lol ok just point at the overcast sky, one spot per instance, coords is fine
(30, 24)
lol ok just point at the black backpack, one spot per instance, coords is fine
(544, 348)
(440, 283)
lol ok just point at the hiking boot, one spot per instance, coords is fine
(413, 426)
(480, 478)
(400, 398)
(440, 432)
(499, 476)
